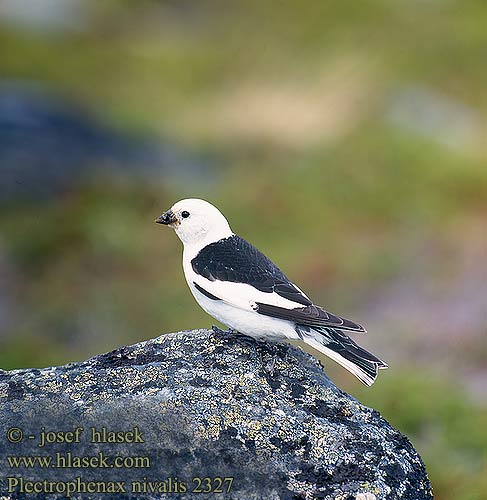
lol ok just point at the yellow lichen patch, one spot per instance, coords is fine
(321, 441)
(53, 386)
(232, 418)
(365, 496)
(214, 427)
(252, 428)
(154, 373)
(306, 490)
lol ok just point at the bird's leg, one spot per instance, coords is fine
(276, 350)
(232, 331)
(246, 339)
(235, 334)
(251, 342)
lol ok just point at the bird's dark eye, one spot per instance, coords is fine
(184, 214)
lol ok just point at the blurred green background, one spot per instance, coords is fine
(344, 139)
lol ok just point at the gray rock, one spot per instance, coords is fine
(207, 404)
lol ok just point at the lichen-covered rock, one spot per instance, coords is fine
(198, 414)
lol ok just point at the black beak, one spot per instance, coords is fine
(166, 218)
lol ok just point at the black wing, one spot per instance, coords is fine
(235, 259)
(311, 315)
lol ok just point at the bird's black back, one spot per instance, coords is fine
(236, 260)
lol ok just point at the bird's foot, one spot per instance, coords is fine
(228, 331)
(244, 339)
(271, 353)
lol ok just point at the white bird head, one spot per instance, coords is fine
(196, 222)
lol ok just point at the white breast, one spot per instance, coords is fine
(239, 314)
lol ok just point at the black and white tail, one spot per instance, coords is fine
(342, 349)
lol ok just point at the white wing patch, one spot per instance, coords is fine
(242, 295)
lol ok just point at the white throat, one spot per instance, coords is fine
(195, 241)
